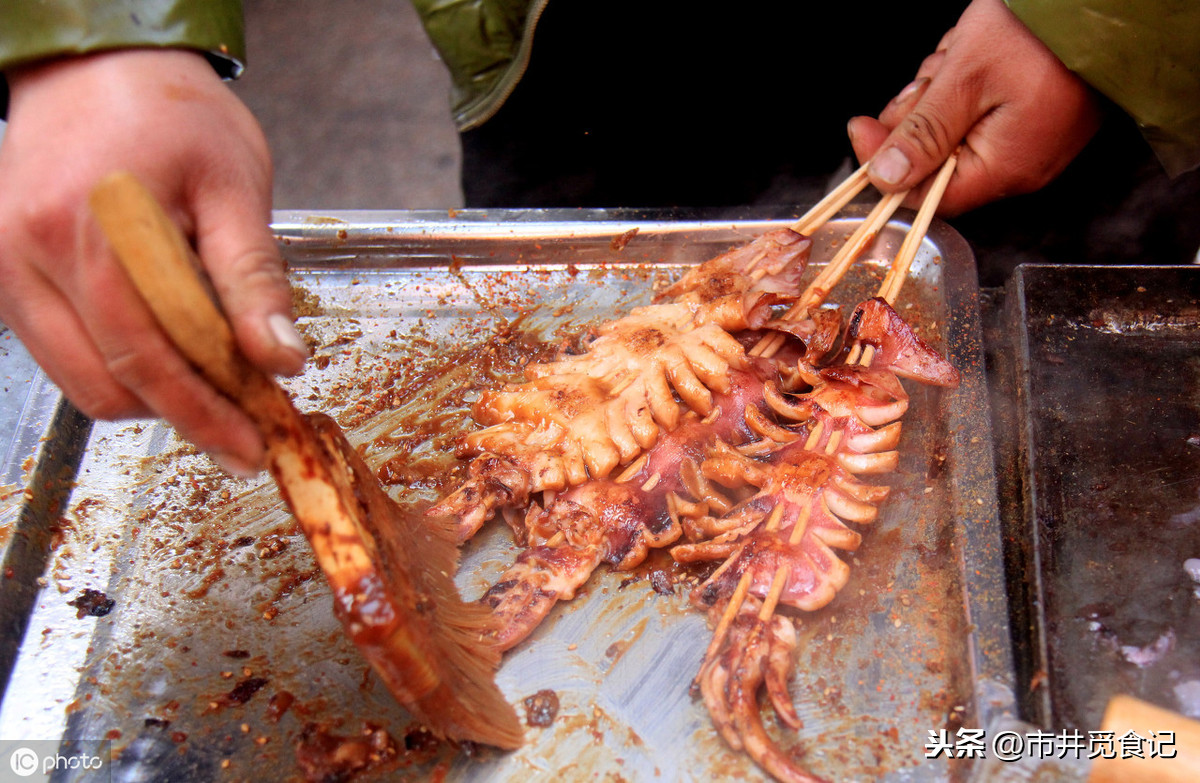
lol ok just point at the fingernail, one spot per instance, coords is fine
(912, 87)
(234, 465)
(850, 126)
(890, 166)
(284, 332)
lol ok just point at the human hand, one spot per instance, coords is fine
(993, 87)
(165, 116)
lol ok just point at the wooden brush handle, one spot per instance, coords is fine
(403, 611)
(167, 274)
(1127, 714)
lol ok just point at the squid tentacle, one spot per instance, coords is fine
(757, 652)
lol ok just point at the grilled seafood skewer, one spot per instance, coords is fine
(890, 346)
(808, 495)
(666, 428)
(617, 520)
(582, 416)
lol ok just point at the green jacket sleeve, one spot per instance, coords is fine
(33, 30)
(485, 45)
(1144, 56)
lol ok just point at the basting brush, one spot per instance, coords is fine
(390, 571)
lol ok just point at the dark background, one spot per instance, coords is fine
(641, 104)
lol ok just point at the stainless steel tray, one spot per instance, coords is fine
(219, 615)
(41, 442)
(1110, 448)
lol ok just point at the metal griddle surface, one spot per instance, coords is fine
(1109, 362)
(219, 610)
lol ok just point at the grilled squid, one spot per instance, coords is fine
(779, 546)
(579, 417)
(618, 521)
(674, 428)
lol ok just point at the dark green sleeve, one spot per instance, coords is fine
(1143, 55)
(33, 30)
(485, 45)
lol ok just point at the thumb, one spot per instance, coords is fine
(248, 273)
(924, 138)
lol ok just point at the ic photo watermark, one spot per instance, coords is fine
(46, 760)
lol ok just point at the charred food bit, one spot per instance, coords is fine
(91, 603)
(541, 708)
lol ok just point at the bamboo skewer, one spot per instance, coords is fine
(808, 224)
(780, 579)
(889, 290)
(833, 272)
(739, 595)
(857, 242)
(814, 295)
(832, 203)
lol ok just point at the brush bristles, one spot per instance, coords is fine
(430, 648)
